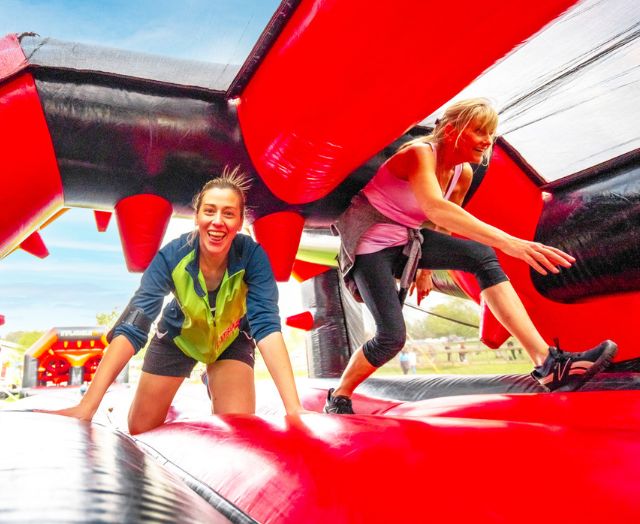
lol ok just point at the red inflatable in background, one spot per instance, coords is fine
(64, 356)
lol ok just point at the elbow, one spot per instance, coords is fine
(266, 335)
(438, 215)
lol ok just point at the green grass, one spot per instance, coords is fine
(433, 359)
(472, 368)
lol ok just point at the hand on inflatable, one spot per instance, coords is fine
(423, 284)
(540, 257)
(78, 411)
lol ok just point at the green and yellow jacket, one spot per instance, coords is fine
(248, 293)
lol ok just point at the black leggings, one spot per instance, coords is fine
(375, 275)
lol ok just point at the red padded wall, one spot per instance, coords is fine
(31, 189)
(344, 79)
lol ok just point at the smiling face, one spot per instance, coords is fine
(474, 141)
(219, 218)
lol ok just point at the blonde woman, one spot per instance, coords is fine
(382, 239)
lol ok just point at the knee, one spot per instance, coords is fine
(384, 346)
(135, 427)
(486, 257)
(139, 425)
(488, 270)
(393, 341)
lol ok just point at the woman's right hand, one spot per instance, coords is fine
(79, 411)
(539, 256)
(423, 284)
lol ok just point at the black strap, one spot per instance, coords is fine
(134, 316)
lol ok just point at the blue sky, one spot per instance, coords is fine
(85, 273)
(209, 30)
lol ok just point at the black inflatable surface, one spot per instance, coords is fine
(59, 470)
(338, 325)
(596, 218)
(423, 387)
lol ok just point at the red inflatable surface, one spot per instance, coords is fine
(462, 459)
(570, 457)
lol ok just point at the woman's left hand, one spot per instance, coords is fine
(423, 284)
(539, 256)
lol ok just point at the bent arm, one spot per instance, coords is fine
(115, 358)
(128, 338)
(420, 163)
(276, 357)
(445, 214)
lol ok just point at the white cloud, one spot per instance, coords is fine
(83, 246)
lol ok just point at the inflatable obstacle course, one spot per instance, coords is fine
(65, 356)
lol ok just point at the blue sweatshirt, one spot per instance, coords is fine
(248, 292)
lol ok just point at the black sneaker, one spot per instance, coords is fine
(562, 371)
(338, 404)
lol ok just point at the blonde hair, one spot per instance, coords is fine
(459, 115)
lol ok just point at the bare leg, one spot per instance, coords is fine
(357, 370)
(507, 307)
(152, 401)
(232, 387)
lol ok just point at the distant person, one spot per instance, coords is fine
(447, 349)
(512, 349)
(413, 361)
(462, 352)
(225, 301)
(404, 361)
(381, 240)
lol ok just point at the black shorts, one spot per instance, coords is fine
(164, 358)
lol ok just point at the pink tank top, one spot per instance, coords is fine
(395, 199)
